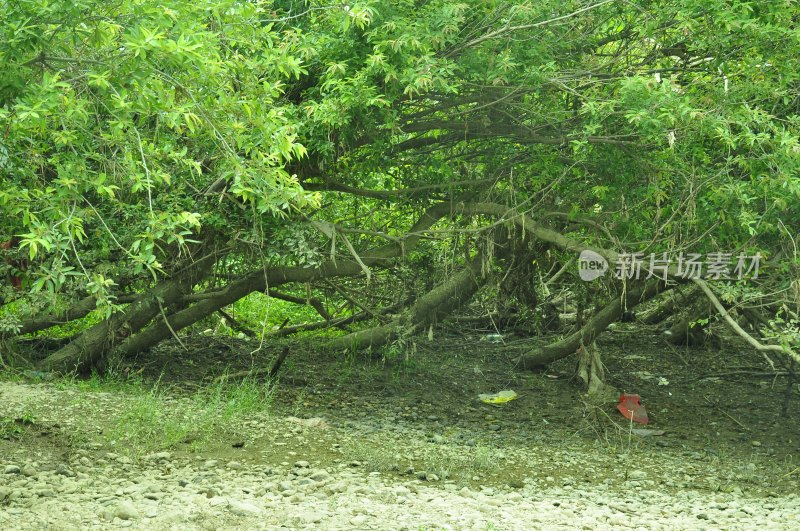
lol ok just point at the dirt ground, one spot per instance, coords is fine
(407, 420)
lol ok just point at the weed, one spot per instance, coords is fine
(234, 401)
(14, 427)
(10, 428)
(146, 424)
(152, 421)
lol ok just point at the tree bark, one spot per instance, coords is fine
(669, 304)
(589, 332)
(429, 309)
(88, 348)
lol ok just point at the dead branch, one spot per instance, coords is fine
(738, 329)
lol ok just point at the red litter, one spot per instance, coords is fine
(631, 409)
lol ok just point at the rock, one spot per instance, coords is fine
(63, 470)
(400, 490)
(302, 464)
(240, 508)
(359, 520)
(29, 471)
(319, 475)
(126, 510)
(211, 463)
(336, 488)
(637, 474)
(311, 517)
(11, 469)
(494, 427)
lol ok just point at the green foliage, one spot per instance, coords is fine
(262, 313)
(112, 126)
(134, 133)
(13, 428)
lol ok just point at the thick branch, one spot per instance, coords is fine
(738, 329)
(597, 324)
(429, 309)
(260, 281)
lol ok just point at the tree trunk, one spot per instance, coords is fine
(429, 309)
(685, 330)
(669, 303)
(589, 332)
(88, 348)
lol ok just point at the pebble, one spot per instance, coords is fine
(126, 510)
(170, 491)
(243, 508)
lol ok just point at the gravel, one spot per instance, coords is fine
(93, 488)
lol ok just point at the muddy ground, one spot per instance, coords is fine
(399, 440)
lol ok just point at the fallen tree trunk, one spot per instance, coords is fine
(127, 332)
(587, 334)
(429, 309)
(260, 281)
(667, 304)
(686, 330)
(88, 348)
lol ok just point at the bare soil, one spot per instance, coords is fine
(409, 418)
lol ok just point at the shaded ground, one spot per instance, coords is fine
(719, 404)
(405, 427)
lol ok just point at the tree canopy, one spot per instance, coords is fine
(162, 160)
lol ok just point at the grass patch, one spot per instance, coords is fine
(106, 383)
(147, 423)
(151, 419)
(456, 463)
(460, 465)
(232, 401)
(14, 427)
